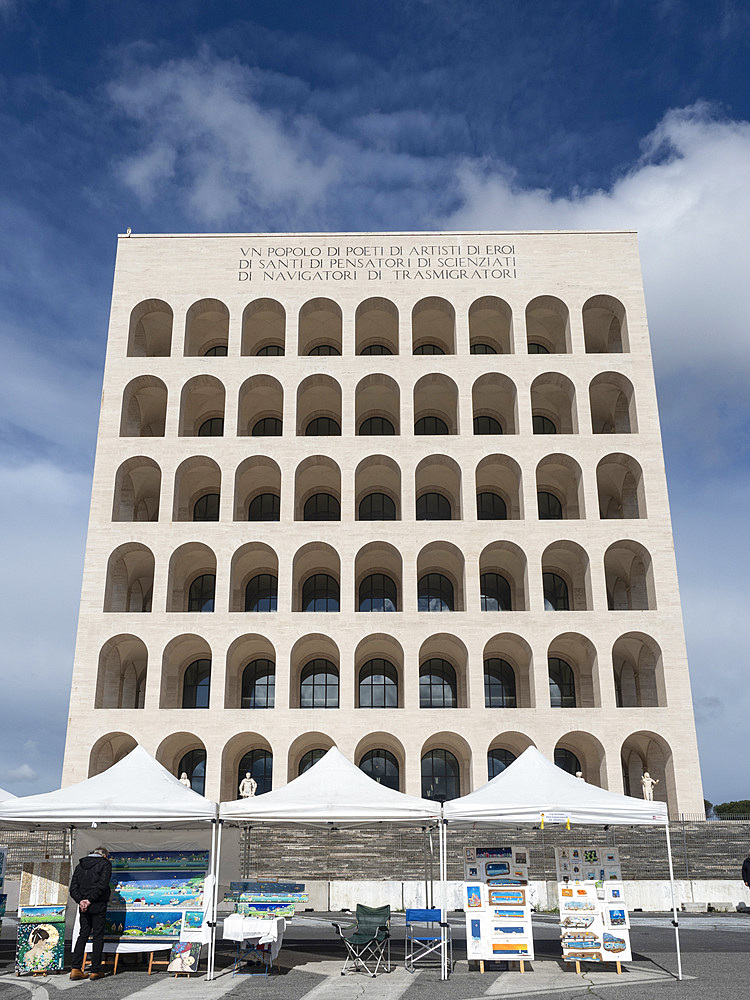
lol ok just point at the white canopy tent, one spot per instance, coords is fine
(4, 796)
(534, 790)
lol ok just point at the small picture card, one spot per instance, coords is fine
(614, 892)
(616, 916)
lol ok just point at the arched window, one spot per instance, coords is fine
(261, 593)
(537, 349)
(376, 349)
(491, 507)
(378, 592)
(319, 685)
(378, 685)
(433, 507)
(482, 349)
(377, 425)
(499, 684)
(555, 592)
(487, 425)
(568, 761)
(196, 685)
(320, 592)
(202, 592)
(206, 508)
(268, 427)
(193, 763)
(381, 766)
(428, 349)
(430, 425)
(270, 351)
(562, 684)
(550, 508)
(377, 507)
(213, 427)
(440, 776)
(323, 427)
(495, 591)
(220, 351)
(258, 684)
(260, 765)
(542, 425)
(321, 507)
(324, 350)
(435, 593)
(437, 684)
(497, 761)
(264, 507)
(310, 758)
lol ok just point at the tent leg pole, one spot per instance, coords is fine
(674, 903)
(215, 901)
(211, 941)
(443, 899)
(426, 870)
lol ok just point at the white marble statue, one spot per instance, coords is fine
(184, 780)
(648, 784)
(248, 786)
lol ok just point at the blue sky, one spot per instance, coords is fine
(421, 114)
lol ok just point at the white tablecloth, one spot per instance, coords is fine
(256, 930)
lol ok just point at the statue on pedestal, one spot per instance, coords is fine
(648, 784)
(184, 780)
(248, 786)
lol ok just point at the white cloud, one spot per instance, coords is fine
(20, 775)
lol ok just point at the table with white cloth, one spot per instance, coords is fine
(257, 938)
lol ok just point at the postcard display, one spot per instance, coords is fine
(594, 922)
(40, 947)
(497, 905)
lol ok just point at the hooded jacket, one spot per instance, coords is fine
(746, 869)
(91, 881)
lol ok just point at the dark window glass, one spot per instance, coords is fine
(429, 349)
(440, 776)
(482, 349)
(259, 763)
(196, 685)
(261, 593)
(310, 758)
(378, 685)
(497, 761)
(321, 507)
(271, 351)
(543, 425)
(437, 684)
(320, 592)
(319, 685)
(213, 427)
(377, 507)
(562, 685)
(194, 766)
(378, 593)
(220, 351)
(376, 349)
(435, 593)
(433, 507)
(487, 425)
(555, 592)
(491, 507)
(430, 425)
(207, 508)
(499, 684)
(550, 508)
(258, 684)
(377, 425)
(268, 427)
(381, 766)
(324, 350)
(568, 761)
(537, 349)
(201, 593)
(495, 591)
(264, 507)
(323, 427)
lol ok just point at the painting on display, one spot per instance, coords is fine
(44, 883)
(40, 944)
(184, 957)
(594, 921)
(3, 862)
(145, 925)
(266, 899)
(498, 923)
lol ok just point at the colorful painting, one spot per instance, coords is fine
(498, 868)
(193, 920)
(140, 890)
(184, 957)
(504, 897)
(494, 852)
(268, 888)
(41, 939)
(520, 858)
(3, 903)
(517, 914)
(149, 925)
(614, 892)
(159, 860)
(473, 896)
(507, 948)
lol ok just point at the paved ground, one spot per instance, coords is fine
(715, 965)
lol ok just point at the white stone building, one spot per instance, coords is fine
(401, 493)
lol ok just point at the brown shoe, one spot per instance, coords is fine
(78, 974)
(97, 975)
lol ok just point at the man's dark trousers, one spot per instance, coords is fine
(89, 924)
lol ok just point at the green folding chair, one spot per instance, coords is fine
(367, 946)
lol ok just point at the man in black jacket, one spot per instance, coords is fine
(746, 870)
(89, 887)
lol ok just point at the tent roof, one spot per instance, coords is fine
(332, 791)
(533, 785)
(136, 790)
(6, 795)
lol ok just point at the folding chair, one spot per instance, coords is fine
(366, 947)
(423, 938)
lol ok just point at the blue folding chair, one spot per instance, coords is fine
(423, 939)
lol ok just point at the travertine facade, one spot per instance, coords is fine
(570, 430)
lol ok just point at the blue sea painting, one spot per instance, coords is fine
(160, 860)
(193, 920)
(147, 925)
(140, 890)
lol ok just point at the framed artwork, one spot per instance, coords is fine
(40, 944)
(184, 957)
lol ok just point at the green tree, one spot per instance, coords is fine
(739, 808)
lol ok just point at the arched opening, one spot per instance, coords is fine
(605, 329)
(257, 490)
(379, 670)
(130, 579)
(638, 672)
(377, 573)
(494, 404)
(319, 328)
(206, 329)
(196, 684)
(144, 407)
(490, 321)
(588, 752)
(376, 327)
(317, 490)
(121, 676)
(437, 488)
(619, 482)
(443, 667)
(178, 655)
(263, 328)
(192, 578)
(505, 647)
(629, 577)
(250, 680)
(137, 490)
(150, 330)
(612, 404)
(254, 578)
(435, 405)
(305, 751)
(553, 405)
(316, 578)
(559, 485)
(573, 669)
(503, 577)
(377, 489)
(382, 766)
(445, 767)
(108, 750)
(246, 754)
(197, 489)
(570, 564)
(319, 407)
(202, 407)
(647, 752)
(547, 326)
(184, 753)
(433, 327)
(377, 406)
(261, 407)
(440, 576)
(503, 750)
(498, 485)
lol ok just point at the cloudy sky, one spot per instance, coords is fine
(416, 114)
